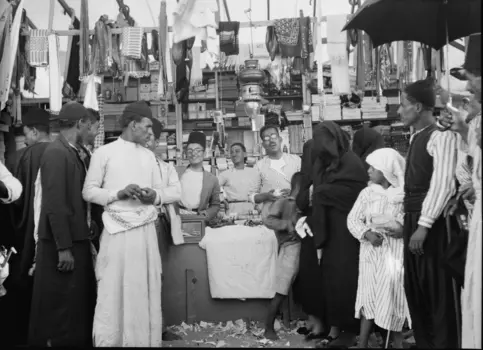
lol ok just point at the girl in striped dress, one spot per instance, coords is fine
(376, 221)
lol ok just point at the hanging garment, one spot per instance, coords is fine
(339, 57)
(55, 86)
(196, 71)
(132, 42)
(228, 33)
(287, 31)
(419, 70)
(72, 83)
(90, 99)
(8, 56)
(38, 48)
(193, 18)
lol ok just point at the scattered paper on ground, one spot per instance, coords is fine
(243, 334)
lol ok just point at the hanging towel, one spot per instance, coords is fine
(38, 48)
(55, 82)
(8, 56)
(132, 38)
(193, 18)
(228, 32)
(90, 99)
(5, 23)
(338, 55)
(196, 73)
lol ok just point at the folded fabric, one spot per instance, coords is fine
(38, 48)
(228, 32)
(54, 75)
(117, 220)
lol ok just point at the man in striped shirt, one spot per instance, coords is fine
(429, 184)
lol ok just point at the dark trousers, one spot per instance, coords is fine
(428, 287)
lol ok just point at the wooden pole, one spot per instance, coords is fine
(51, 14)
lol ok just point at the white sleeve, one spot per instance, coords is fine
(14, 187)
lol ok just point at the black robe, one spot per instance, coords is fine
(19, 283)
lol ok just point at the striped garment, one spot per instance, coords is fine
(380, 290)
(38, 48)
(443, 148)
(99, 140)
(132, 42)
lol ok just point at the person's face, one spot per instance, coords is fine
(237, 155)
(31, 135)
(195, 153)
(152, 143)
(271, 141)
(141, 131)
(408, 111)
(473, 107)
(92, 132)
(375, 176)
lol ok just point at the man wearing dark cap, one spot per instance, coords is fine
(37, 138)
(64, 284)
(123, 177)
(429, 185)
(200, 190)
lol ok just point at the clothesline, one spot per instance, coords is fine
(254, 24)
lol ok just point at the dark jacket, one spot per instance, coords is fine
(63, 216)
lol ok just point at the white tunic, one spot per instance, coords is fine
(380, 290)
(128, 311)
(191, 186)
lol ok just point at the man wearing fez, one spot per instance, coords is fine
(200, 190)
(64, 284)
(124, 178)
(429, 185)
(37, 138)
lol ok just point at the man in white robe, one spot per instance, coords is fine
(124, 178)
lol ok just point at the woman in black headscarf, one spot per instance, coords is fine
(338, 176)
(366, 141)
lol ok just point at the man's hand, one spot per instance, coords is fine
(416, 242)
(3, 190)
(374, 237)
(130, 192)
(148, 196)
(451, 207)
(285, 192)
(66, 261)
(454, 119)
(265, 197)
(467, 192)
(395, 234)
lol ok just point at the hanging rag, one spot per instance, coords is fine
(72, 83)
(101, 58)
(8, 56)
(196, 71)
(23, 68)
(338, 55)
(287, 31)
(193, 18)
(90, 99)
(228, 32)
(132, 42)
(84, 39)
(419, 70)
(38, 48)
(55, 82)
(271, 42)
(138, 68)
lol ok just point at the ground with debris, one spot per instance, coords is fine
(242, 334)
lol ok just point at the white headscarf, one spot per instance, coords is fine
(392, 165)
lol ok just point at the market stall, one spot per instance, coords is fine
(221, 88)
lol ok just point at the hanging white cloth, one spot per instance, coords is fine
(55, 79)
(192, 18)
(90, 99)
(196, 73)
(338, 55)
(8, 56)
(319, 49)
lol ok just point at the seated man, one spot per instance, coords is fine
(237, 182)
(200, 190)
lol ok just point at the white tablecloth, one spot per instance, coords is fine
(241, 261)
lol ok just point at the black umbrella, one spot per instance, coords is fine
(431, 22)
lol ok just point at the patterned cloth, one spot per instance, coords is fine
(287, 267)
(131, 42)
(38, 48)
(287, 30)
(99, 140)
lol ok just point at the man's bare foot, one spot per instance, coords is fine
(270, 334)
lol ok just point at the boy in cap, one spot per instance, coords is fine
(429, 185)
(64, 283)
(200, 190)
(123, 177)
(36, 130)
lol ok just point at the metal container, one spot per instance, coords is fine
(251, 92)
(251, 74)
